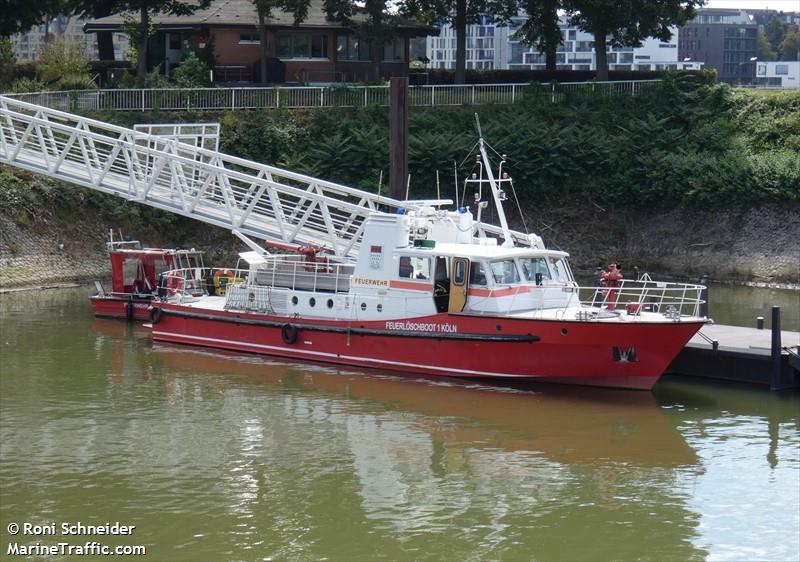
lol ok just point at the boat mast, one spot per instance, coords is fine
(508, 242)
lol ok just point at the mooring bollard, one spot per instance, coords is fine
(704, 296)
(759, 322)
(775, 383)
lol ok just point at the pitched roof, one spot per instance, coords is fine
(242, 13)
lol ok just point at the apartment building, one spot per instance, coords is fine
(491, 46)
(725, 39)
(27, 46)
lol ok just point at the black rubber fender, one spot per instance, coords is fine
(289, 334)
(154, 314)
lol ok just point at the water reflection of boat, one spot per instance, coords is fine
(571, 426)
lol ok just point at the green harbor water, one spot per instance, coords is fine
(216, 456)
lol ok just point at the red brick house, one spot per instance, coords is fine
(316, 50)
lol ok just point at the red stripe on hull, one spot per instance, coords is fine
(115, 307)
(585, 354)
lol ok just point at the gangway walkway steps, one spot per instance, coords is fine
(253, 199)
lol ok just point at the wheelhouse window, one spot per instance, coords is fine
(350, 47)
(302, 46)
(130, 270)
(504, 272)
(561, 270)
(531, 267)
(160, 266)
(477, 273)
(412, 267)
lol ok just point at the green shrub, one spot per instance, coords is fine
(26, 85)
(192, 73)
(64, 65)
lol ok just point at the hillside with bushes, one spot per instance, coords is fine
(606, 177)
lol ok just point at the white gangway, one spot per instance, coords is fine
(251, 199)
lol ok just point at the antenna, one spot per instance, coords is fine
(498, 203)
(455, 182)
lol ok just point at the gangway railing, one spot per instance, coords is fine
(256, 200)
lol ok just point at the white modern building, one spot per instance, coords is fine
(487, 44)
(491, 46)
(778, 74)
(28, 46)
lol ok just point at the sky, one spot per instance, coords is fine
(781, 5)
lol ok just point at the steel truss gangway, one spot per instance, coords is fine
(251, 199)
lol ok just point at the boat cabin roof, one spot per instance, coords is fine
(480, 251)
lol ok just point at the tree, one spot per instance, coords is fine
(97, 9)
(299, 8)
(541, 28)
(146, 9)
(775, 31)
(18, 16)
(765, 51)
(459, 13)
(790, 46)
(8, 63)
(627, 22)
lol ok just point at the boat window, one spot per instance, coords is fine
(532, 266)
(477, 273)
(560, 270)
(504, 272)
(130, 270)
(160, 266)
(412, 267)
(460, 272)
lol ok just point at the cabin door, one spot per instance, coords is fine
(459, 283)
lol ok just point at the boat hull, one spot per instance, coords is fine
(126, 308)
(619, 355)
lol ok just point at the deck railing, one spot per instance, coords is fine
(219, 99)
(673, 300)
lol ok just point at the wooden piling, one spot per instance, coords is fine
(398, 136)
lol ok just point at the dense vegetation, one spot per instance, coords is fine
(680, 143)
(677, 144)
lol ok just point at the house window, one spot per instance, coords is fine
(249, 38)
(174, 41)
(394, 51)
(350, 47)
(302, 46)
(781, 69)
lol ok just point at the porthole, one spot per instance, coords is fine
(564, 331)
(498, 327)
(312, 302)
(294, 301)
(380, 308)
(330, 303)
(363, 306)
